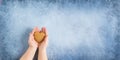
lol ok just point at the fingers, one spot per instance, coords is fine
(31, 36)
(35, 29)
(44, 30)
(44, 42)
(46, 39)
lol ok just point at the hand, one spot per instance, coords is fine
(29, 54)
(44, 43)
(31, 41)
(42, 55)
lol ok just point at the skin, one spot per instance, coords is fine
(33, 45)
(42, 47)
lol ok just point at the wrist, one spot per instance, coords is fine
(42, 50)
(31, 47)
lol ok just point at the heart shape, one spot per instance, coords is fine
(39, 36)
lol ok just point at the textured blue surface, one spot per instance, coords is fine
(78, 29)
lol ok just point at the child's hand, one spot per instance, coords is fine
(44, 43)
(31, 41)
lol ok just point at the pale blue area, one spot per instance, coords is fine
(78, 29)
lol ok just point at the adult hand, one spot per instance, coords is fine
(31, 41)
(44, 43)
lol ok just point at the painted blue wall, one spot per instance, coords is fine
(78, 29)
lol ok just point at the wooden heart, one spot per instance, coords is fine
(39, 36)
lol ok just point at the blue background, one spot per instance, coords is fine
(78, 29)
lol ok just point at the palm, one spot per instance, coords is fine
(44, 43)
(32, 41)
